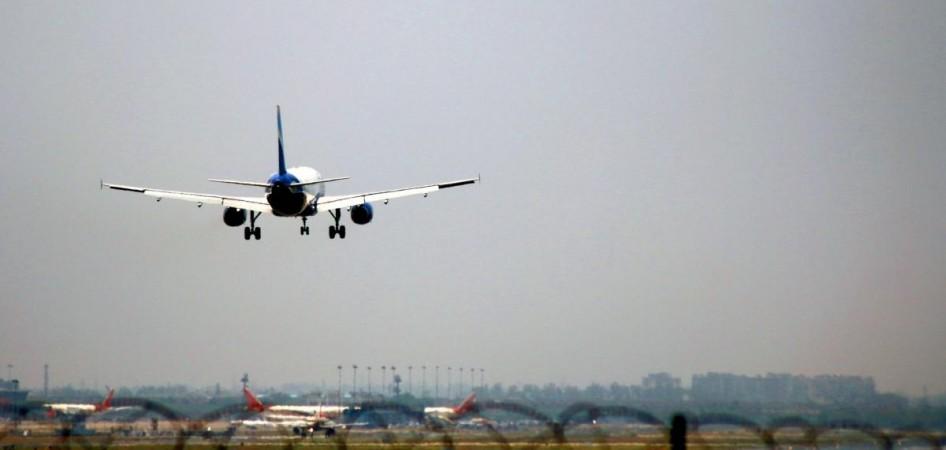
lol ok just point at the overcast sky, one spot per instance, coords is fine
(667, 186)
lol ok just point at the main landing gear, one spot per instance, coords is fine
(252, 230)
(336, 229)
(304, 229)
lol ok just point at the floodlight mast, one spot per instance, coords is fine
(410, 380)
(339, 384)
(354, 382)
(423, 381)
(449, 382)
(384, 379)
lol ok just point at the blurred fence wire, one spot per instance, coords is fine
(522, 426)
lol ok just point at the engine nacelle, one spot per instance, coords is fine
(234, 217)
(362, 214)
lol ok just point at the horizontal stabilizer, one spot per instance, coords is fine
(241, 183)
(324, 180)
(265, 185)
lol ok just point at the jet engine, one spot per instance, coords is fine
(234, 217)
(362, 214)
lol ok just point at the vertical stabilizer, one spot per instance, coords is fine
(252, 403)
(466, 405)
(282, 159)
(107, 403)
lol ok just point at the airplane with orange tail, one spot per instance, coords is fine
(445, 415)
(302, 419)
(79, 409)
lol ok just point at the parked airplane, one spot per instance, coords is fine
(444, 415)
(302, 419)
(293, 192)
(79, 409)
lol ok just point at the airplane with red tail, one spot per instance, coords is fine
(445, 415)
(79, 409)
(302, 419)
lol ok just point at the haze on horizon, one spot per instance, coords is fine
(747, 187)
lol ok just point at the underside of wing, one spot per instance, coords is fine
(329, 203)
(258, 204)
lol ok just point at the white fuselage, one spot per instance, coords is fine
(324, 411)
(308, 175)
(440, 412)
(72, 408)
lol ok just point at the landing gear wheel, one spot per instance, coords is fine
(252, 230)
(336, 229)
(304, 229)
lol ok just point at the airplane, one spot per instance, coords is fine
(445, 415)
(79, 409)
(297, 192)
(302, 419)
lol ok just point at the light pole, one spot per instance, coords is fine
(436, 382)
(393, 375)
(449, 381)
(423, 381)
(9, 372)
(410, 380)
(472, 379)
(384, 380)
(482, 383)
(460, 390)
(354, 382)
(339, 384)
(369, 382)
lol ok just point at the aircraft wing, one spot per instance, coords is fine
(258, 204)
(330, 202)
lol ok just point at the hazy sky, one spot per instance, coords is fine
(667, 186)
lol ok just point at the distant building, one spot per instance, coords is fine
(781, 388)
(842, 389)
(660, 387)
(10, 392)
(10, 396)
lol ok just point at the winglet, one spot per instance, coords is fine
(282, 159)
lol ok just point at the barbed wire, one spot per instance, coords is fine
(681, 430)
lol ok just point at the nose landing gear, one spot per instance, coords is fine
(336, 229)
(304, 229)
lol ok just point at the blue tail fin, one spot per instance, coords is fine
(282, 159)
